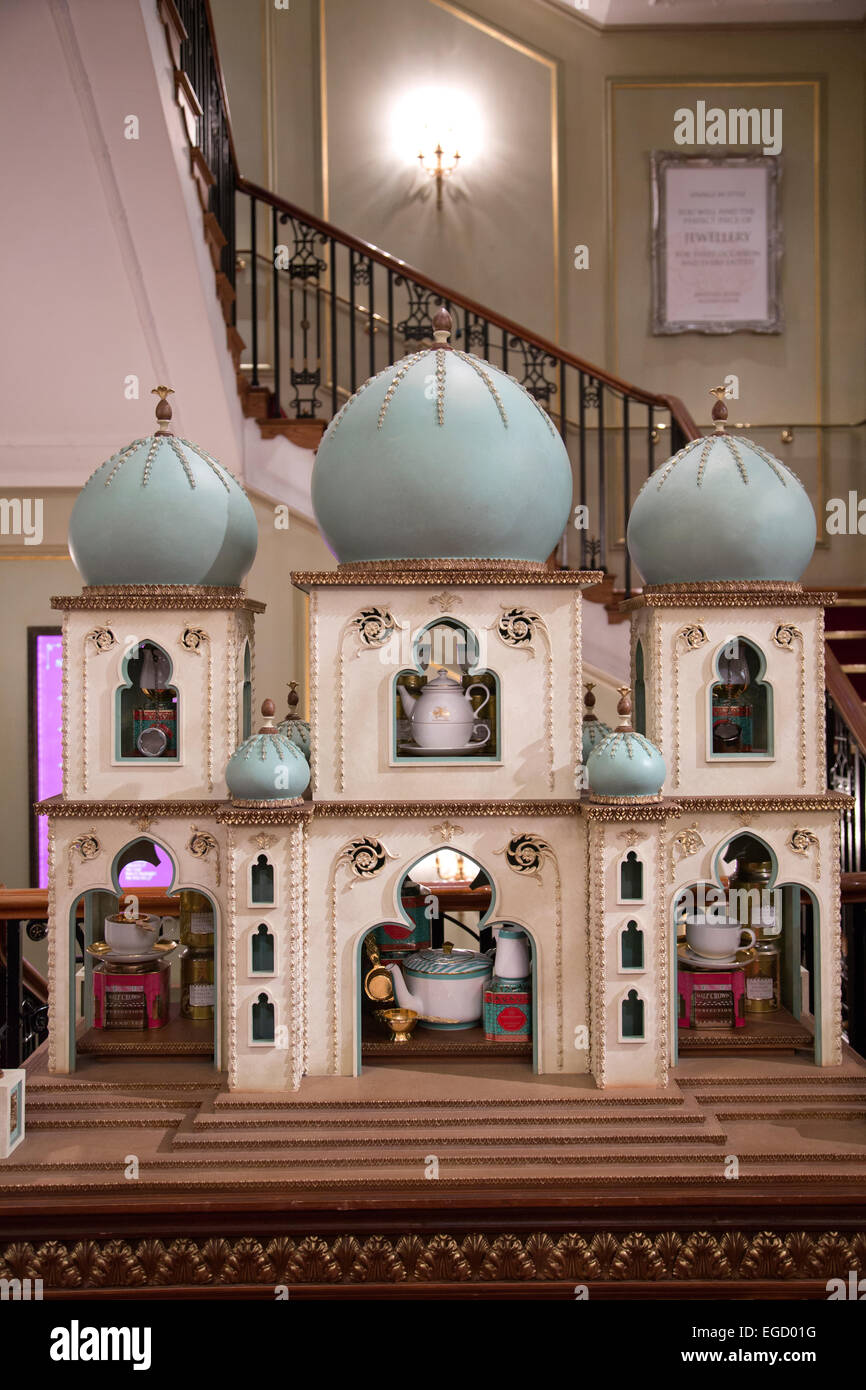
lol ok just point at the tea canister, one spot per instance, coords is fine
(197, 996)
(763, 979)
(196, 921)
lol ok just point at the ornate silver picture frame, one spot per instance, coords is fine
(716, 243)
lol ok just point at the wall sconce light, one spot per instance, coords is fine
(439, 163)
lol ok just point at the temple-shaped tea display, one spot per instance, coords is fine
(453, 852)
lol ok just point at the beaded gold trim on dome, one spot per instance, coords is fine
(729, 593)
(444, 571)
(102, 597)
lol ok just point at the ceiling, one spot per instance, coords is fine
(612, 14)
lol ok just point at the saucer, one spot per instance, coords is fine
(417, 752)
(691, 958)
(158, 951)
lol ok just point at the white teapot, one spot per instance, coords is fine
(442, 716)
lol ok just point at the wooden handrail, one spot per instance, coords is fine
(34, 980)
(845, 697)
(23, 904)
(516, 330)
(853, 888)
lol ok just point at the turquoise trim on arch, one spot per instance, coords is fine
(760, 680)
(473, 669)
(127, 685)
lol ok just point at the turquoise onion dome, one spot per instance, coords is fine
(594, 730)
(162, 511)
(442, 456)
(625, 763)
(293, 727)
(267, 766)
(722, 508)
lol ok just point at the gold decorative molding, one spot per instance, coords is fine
(525, 854)
(374, 810)
(372, 629)
(388, 574)
(164, 597)
(785, 637)
(631, 836)
(689, 638)
(733, 594)
(516, 628)
(609, 809)
(832, 802)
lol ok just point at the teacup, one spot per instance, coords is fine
(717, 940)
(129, 938)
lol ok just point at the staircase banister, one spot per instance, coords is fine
(845, 697)
(506, 325)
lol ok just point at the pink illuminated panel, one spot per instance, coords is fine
(49, 713)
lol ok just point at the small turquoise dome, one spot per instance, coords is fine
(442, 456)
(625, 763)
(722, 508)
(267, 766)
(162, 511)
(594, 733)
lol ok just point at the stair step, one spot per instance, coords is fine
(307, 434)
(445, 1138)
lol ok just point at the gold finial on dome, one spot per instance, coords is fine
(623, 709)
(269, 709)
(720, 410)
(589, 715)
(163, 409)
(442, 326)
(293, 701)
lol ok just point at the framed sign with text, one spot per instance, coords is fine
(716, 244)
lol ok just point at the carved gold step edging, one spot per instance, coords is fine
(327, 1262)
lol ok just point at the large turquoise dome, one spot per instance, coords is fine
(442, 456)
(268, 766)
(722, 508)
(162, 511)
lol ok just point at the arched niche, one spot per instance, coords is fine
(262, 882)
(639, 688)
(146, 707)
(632, 1017)
(740, 703)
(262, 950)
(630, 882)
(446, 644)
(632, 958)
(263, 1021)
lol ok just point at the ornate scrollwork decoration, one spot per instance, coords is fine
(373, 627)
(525, 854)
(445, 601)
(86, 847)
(516, 628)
(801, 841)
(193, 639)
(263, 840)
(365, 857)
(446, 831)
(785, 636)
(684, 844)
(201, 844)
(694, 636)
(103, 639)
(631, 836)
